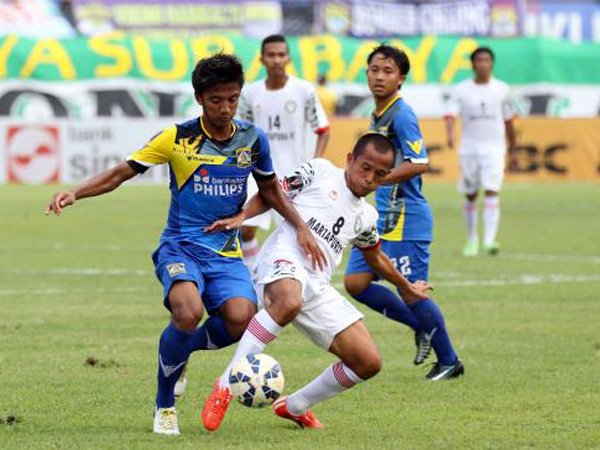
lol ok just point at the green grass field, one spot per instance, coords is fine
(526, 323)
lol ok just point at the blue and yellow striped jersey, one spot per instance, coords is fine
(404, 214)
(208, 178)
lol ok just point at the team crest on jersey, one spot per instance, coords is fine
(244, 157)
(416, 146)
(176, 269)
(333, 195)
(358, 224)
(290, 106)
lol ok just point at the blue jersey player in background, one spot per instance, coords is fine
(405, 222)
(210, 158)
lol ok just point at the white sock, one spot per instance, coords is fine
(261, 330)
(470, 217)
(334, 380)
(491, 218)
(250, 250)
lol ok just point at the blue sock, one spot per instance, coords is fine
(173, 352)
(431, 317)
(382, 299)
(211, 335)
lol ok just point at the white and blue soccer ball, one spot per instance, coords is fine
(256, 380)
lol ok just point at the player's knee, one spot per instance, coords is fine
(285, 307)
(354, 285)
(370, 366)
(187, 319)
(248, 233)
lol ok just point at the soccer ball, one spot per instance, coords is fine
(256, 380)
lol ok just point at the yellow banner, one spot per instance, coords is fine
(548, 149)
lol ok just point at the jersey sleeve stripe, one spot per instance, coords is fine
(418, 160)
(262, 172)
(322, 130)
(370, 248)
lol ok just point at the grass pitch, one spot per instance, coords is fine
(81, 314)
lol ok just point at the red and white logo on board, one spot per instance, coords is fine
(33, 154)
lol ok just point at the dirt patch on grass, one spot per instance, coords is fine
(92, 361)
(10, 420)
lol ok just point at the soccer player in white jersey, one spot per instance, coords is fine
(486, 112)
(285, 107)
(331, 202)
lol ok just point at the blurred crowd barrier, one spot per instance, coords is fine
(549, 149)
(71, 150)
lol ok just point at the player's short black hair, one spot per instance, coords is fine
(273, 38)
(399, 57)
(217, 69)
(479, 50)
(381, 143)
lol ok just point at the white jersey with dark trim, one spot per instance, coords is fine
(333, 214)
(286, 115)
(483, 109)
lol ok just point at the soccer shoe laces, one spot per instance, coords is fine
(168, 418)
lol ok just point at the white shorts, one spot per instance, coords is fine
(264, 220)
(481, 172)
(325, 312)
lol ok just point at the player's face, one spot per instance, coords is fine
(220, 103)
(383, 76)
(367, 171)
(482, 64)
(275, 57)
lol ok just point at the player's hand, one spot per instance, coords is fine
(230, 223)
(311, 248)
(59, 201)
(419, 290)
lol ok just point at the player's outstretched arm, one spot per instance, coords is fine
(255, 207)
(449, 120)
(100, 184)
(385, 268)
(322, 140)
(404, 172)
(271, 192)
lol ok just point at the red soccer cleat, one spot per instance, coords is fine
(215, 407)
(304, 420)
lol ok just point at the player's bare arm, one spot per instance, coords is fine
(511, 137)
(404, 172)
(411, 292)
(272, 194)
(449, 120)
(322, 140)
(102, 183)
(255, 207)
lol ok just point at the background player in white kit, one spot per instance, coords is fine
(331, 202)
(285, 107)
(487, 114)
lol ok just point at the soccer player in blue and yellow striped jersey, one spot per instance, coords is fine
(210, 158)
(405, 221)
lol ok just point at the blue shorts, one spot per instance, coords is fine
(411, 258)
(218, 278)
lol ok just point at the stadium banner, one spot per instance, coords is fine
(382, 18)
(139, 77)
(433, 59)
(71, 151)
(179, 18)
(548, 149)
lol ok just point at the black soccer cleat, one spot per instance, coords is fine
(423, 343)
(440, 372)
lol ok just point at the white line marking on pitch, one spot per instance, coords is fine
(81, 271)
(523, 279)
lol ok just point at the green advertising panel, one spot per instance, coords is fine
(433, 59)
